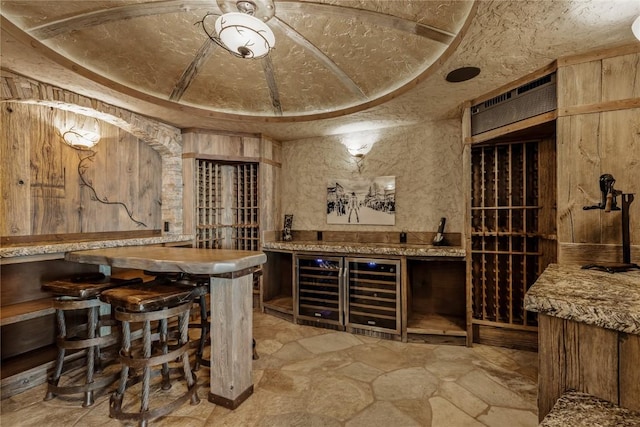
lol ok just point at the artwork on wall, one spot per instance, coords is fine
(362, 201)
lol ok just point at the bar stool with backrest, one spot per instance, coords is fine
(163, 303)
(79, 294)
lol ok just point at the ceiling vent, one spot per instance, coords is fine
(528, 100)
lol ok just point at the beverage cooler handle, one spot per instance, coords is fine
(345, 292)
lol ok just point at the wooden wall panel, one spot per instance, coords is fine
(596, 135)
(236, 148)
(576, 356)
(15, 173)
(579, 84)
(598, 354)
(621, 77)
(551, 369)
(52, 199)
(630, 371)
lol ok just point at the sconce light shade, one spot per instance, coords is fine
(635, 27)
(81, 138)
(244, 35)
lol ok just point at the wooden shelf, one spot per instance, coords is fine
(280, 303)
(26, 310)
(436, 324)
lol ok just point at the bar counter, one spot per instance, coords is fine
(231, 283)
(389, 249)
(588, 335)
(593, 297)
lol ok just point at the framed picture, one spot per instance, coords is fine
(363, 201)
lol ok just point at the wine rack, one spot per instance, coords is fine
(512, 240)
(373, 294)
(320, 289)
(227, 205)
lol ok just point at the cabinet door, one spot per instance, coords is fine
(319, 288)
(373, 290)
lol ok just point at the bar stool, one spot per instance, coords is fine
(81, 292)
(160, 302)
(199, 284)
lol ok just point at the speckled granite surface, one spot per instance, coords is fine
(61, 248)
(367, 248)
(595, 297)
(577, 409)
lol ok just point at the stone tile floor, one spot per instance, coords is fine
(313, 377)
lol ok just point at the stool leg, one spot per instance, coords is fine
(184, 338)
(255, 352)
(204, 331)
(92, 324)
(146, 373)
(62, 334)
(115, 403)
(164, 332)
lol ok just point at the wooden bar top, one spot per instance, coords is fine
(170, 259)
(607, 300)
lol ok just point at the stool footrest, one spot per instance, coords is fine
(104, 341)
(155, 360)
(115, 406)
(100, 383)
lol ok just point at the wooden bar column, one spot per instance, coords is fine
(231, 338)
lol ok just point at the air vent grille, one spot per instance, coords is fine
(528, 100)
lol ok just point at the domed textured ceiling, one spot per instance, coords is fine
(330, 56)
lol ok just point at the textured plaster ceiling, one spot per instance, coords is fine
(336, 63)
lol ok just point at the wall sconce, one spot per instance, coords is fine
(81, 139)
(358, 150)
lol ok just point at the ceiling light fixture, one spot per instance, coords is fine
(241, 33)
(635, 27)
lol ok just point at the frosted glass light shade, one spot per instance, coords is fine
(635, 27)
(81, 138)
(244, 35)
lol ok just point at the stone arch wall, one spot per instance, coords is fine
(165, 139)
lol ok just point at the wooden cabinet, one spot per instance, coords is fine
(277, 284)
(27, 321)
(404, 294)
(436, 301)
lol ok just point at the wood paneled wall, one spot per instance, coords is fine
(598, 361)
(598, 131)
(42, 192)
(203, 144)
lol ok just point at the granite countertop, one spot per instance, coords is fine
(398, 249)
(594, 297)
(577, 409)
(61, 248)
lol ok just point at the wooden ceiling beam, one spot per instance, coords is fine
(192, 70)
(320, 56)
(98, 17)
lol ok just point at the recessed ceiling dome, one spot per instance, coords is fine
(330, 55)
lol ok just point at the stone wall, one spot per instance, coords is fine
(426, 160)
